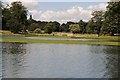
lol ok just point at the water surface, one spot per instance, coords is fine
(25, 60)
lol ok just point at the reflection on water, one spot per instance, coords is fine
(21, 60)
(111, 59)
(13, 59)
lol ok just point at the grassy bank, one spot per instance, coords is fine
(58, 41)
(95, 36)
(8, 33)
(89, 36)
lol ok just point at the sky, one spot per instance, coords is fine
(62, 11)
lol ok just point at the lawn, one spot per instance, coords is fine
(91, 36)
(58, 41)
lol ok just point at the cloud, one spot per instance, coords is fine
(26, 3)
(35, 13)
(101, 6)
(76, 13)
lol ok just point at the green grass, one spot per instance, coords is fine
(89, 36)
(95, 36)
(58, 41)
(50, 36)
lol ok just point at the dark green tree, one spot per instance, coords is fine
(33, 26)
(98, 17)
(49, 28)
(82, 25)
(90, 27)
(0, 15)
(18, 17)
(55, 26)
(64, 28)
(5, 17)
(42, 24)
(112, 19)
(68, 25)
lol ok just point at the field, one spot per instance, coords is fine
(91, 36)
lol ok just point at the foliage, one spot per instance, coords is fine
(55, 26)
(98, 17)
(74, 28)
(63, 28)
(52, 27)
(48, 28)
(90, 28)
(82, 25)
(0, 14)
(15, 17)
(37, 30)
(42, 24)
(112, 19)
(33, 26)
(5, 18)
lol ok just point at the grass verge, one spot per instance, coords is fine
(88, 36)
(58, 41)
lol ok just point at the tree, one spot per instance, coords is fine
(37, 30)
(33, 26)
(17, 17)
(90, 27)
(112, 19)
(55, 26)
(48, 28)
(64, 28)
(74, 28)
(98, 17)
(82, 25)
(42, 24)
(5, 17)
(0, 15)
(68, 25)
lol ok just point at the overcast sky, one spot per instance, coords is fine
(62, 11)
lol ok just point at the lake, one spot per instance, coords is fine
(30, 60)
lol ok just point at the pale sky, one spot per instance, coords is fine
(62, 11)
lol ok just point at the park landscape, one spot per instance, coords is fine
(74, 49)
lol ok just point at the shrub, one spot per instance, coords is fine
(38, 30)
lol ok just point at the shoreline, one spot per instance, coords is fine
(114, 39)
(58, 41)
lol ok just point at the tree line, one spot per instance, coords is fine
(14, 18)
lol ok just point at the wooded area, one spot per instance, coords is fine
(14, 18)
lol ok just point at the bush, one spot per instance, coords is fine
(38, 30)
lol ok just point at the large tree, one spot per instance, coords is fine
(74, 28)
(112, 19)
(64, 28)
(5, 17)
(49, 28)
(17, 17)
(91, 27)
(98, 17)
(82, 25)
(0, 15)
(33, 26)
(55, 26)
